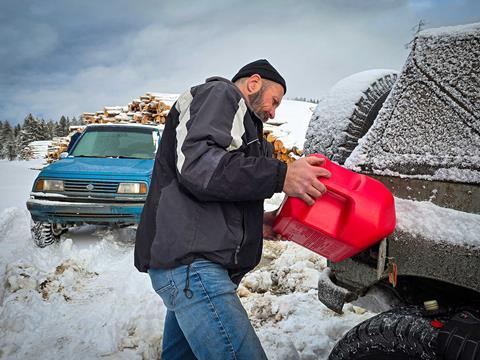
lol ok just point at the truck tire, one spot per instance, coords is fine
(44, 234)
(399, 334)
(346, 113)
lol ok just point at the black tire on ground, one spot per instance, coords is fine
(44, 234)
(343, 117)
(399, 334)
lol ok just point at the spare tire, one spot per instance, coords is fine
(397, 334)
(346, 113)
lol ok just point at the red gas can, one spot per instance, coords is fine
(355, 213)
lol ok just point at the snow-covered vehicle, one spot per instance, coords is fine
(418, 132)
(103, 180)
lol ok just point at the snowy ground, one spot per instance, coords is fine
(83, 299)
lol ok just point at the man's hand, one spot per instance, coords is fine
(268, 233)
(301, 179)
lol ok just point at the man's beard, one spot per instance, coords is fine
(256, 102)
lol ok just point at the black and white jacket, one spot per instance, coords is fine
(212, 172)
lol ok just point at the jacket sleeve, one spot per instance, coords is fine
(208, 161)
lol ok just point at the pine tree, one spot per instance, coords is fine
(9, 150)
(62, 127)
(77, 122)
(1, 140)
(43, 131)
(26, 153)
(51, 129)
(31, 131)
(16, 130)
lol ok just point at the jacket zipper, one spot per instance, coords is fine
(237, 250)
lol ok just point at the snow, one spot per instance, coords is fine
(40, 148)
(72, 301)
(345, 93)
(452, 31)
(17, 181)
(82, 297)
(292, 118)
(429, 124)
(442, 174)
(332, 115)
(437, 223)
(116, 108)
(168, 99)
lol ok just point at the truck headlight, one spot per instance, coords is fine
(132, 188)
(49, 185)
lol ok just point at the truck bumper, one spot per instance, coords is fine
(64, 212)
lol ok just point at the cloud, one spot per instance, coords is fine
(21, 43)
(80, 57)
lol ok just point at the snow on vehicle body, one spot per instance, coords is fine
(419, 133)
(103, 180)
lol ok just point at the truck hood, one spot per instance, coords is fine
(99, 168)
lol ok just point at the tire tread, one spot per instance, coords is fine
(401, 333)
(363, 114)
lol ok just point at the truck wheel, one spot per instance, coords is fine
(346, 113)
(45, 234)
(400, 334)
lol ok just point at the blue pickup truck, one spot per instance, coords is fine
(104, 180)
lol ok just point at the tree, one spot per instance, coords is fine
(16, 130)
(9, 149)
(77, 122)
(1, 140)
(42, 131)
(29, 130)
(32, 130)
(26, 153)
(51, 126)
(62, 126)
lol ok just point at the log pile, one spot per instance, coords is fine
(35, 150)
(148, 109)
(280, 152)
(153, 108)
(60, 144)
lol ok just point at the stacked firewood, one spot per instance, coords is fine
(148, 109)
(60, 144)
(280, 152)
(153, 108)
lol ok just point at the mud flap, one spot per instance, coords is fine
(332, 295)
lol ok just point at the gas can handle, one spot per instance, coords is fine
(330, 183)
(335, 188)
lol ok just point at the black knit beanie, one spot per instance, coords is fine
(264, 69)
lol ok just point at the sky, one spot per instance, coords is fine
(66, 57)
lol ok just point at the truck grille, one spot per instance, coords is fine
(85, 186)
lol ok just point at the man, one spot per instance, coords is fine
(201, 227)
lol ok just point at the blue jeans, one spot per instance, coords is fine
(207, 320)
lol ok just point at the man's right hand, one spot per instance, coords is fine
(301, 179)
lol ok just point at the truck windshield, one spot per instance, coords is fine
(119, 143)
